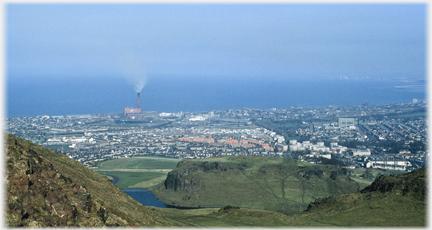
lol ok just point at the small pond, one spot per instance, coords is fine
(145, 197)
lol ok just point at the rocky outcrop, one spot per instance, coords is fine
(324, 174)
(413, 184)
(179, 181)
(40, 196)
(182, 178)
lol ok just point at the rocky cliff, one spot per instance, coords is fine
(179, 179)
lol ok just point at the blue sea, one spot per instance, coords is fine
(69, 96)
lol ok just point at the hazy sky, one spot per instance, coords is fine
(285, 40)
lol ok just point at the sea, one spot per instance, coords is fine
(173, 94)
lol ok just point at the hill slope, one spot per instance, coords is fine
(276, 184)
(45, 188)
(388, 201)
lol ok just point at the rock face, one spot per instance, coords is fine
(323, 174)
(40, 196)
(180, 180)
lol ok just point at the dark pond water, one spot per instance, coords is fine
(145, 197)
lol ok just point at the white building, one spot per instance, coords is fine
(197, 118)
(318, 147)
(335, 148)
(395, 165)
(362, 152)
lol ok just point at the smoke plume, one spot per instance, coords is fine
(134, 71)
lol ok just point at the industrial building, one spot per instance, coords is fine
(137, 112)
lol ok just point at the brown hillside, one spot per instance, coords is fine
(45, 188)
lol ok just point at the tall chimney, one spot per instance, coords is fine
(138, 101)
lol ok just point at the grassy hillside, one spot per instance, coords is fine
(45, 188)
(359, 175)
(101, 189)
(391, 201)
(263, 183)
(388, 201)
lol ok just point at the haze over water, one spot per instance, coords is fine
(170, 94)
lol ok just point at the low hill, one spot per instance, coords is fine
(388, 201)
(391, 201)
(45, 188)
(276, 184)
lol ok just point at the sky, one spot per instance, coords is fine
(282, 40)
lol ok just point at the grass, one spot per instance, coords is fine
(369, 211)
(139, 163)
(265, 183)
(99, 186)
(132, 171)
(212, 217)
(148, 183)
(363, 182)
(131, 179)
(354, 210)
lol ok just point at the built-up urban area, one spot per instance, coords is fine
(391, 136)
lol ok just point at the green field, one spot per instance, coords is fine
(129, 180)
(138, 172)
(139, 163)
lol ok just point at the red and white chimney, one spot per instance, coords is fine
(138, 100)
